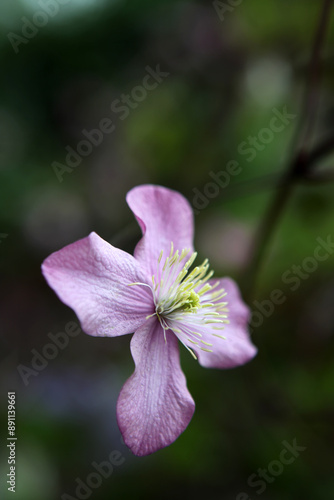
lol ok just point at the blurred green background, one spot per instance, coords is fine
(226, 75)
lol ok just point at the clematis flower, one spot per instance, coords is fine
(156, 295)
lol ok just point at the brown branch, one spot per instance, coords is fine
(299, 166)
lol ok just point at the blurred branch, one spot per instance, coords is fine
(311, 99)
(321, 151)
(324, 178)
(304, 172)
(301, 163)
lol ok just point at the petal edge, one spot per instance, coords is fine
(164, 216)
(91, 277)
(154, 406)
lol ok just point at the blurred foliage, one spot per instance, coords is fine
(225, 79)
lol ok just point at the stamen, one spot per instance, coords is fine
(191, 352)
(150, 315)
(185, 301)
(166, 262)
(206, 343)
(143, 284)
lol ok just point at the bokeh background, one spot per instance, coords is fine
(226, 75)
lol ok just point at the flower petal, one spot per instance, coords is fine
(92, 277)
(235, 348)
(164, 216)
(154, 406)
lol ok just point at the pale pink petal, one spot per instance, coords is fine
(233, 350)
(92, 277)
(154, 406)
(164, 216)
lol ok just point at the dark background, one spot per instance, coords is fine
(225, 78)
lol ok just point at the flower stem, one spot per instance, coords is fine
(301, 163)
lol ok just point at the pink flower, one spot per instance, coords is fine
(156, 296)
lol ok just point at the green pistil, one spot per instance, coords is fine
(190, 303)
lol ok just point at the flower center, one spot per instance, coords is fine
(175, 290)
(184, 301)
